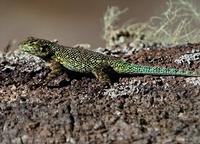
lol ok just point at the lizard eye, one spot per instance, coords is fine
(44, 48)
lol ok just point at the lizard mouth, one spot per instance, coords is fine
(24, 48)
(21, 47)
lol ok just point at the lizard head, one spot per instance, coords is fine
(36, 46)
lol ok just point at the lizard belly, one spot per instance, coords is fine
(78, 66)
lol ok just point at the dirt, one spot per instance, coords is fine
(135, 109)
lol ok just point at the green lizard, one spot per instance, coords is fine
(86, 61)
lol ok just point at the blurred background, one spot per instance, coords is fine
(69, 21)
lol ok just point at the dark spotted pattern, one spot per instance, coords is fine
(86, 61)
(81, 60)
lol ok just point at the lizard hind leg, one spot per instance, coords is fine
(102, 76)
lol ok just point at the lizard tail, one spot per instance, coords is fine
(123, 67)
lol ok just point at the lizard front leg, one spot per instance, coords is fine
(102, 76)
(55, 68)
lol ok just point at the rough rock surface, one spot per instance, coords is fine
(135, 109)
